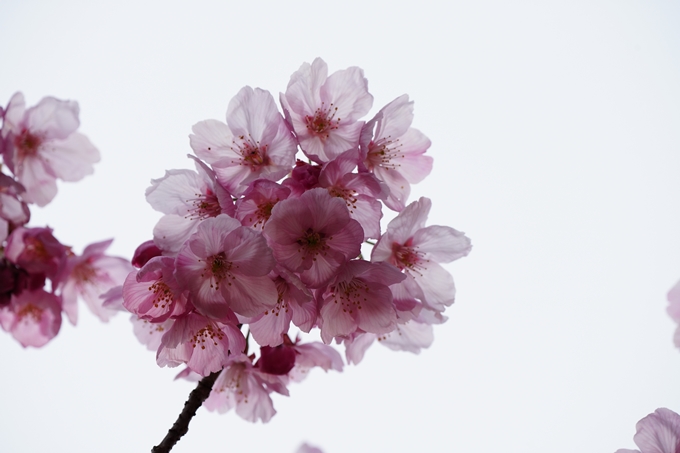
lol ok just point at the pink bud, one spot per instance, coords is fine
(144, 253)
(278, 360)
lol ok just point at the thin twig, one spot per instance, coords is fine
(181, 426)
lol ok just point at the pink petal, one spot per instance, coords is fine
(348, 90)
(53, 118)
(71, 159)
(659, 432)
(412, 337)
(337, 321)
(441, 243)
(357, 345)
(211, 140)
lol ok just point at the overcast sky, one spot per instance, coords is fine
(555, 131)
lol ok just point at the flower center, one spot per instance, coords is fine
(235, 374)
(162, 296)
(31, 311)
(382, 152)
(281, 304)
(36, 249)
(312, 243)
(253, 154)
(209, 332)
(349, 195)
(323, 121)
(218, 267)
(84, 272)
(350, 295)
(27, 144)
(408, 258)
(205, 206)
(264, 211)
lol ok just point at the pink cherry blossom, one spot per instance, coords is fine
(224, 266)
(356, 345)
(412, 336)
(186, 198)
(150, 333)
(41, 145)
(313, 235)
(203, 344)
(246, 388)
(255, 207)
(313, 355)
(359, 191)
(37, 251)
(32, 317)
(394, 151)
(89, 276)
(324, 111)
(255, 143)
(417, 250)
(659, 432)
(359, 298)
(153, 293)
(295, 303)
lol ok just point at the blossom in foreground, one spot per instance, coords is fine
(659, 432)
(246, 388)
(417, 250)
(255, 207)
(411, 336)
(324, 110)
(313, 235)
(359, 298)
(150, 333)
(224, 266)
(312, 355)
(40, 145)
(153, 293)
(255, 143)
(395, 151)
(360, 192)
(186, 198)
(295, 303)
(203, 344)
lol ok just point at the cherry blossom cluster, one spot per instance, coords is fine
(267, 233)
(39, 276)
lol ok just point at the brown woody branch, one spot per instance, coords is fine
(181, 426)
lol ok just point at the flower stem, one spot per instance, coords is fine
(181, 425)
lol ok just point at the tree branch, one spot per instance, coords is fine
(181, 426)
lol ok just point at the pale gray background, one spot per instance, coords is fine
(556, 136)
